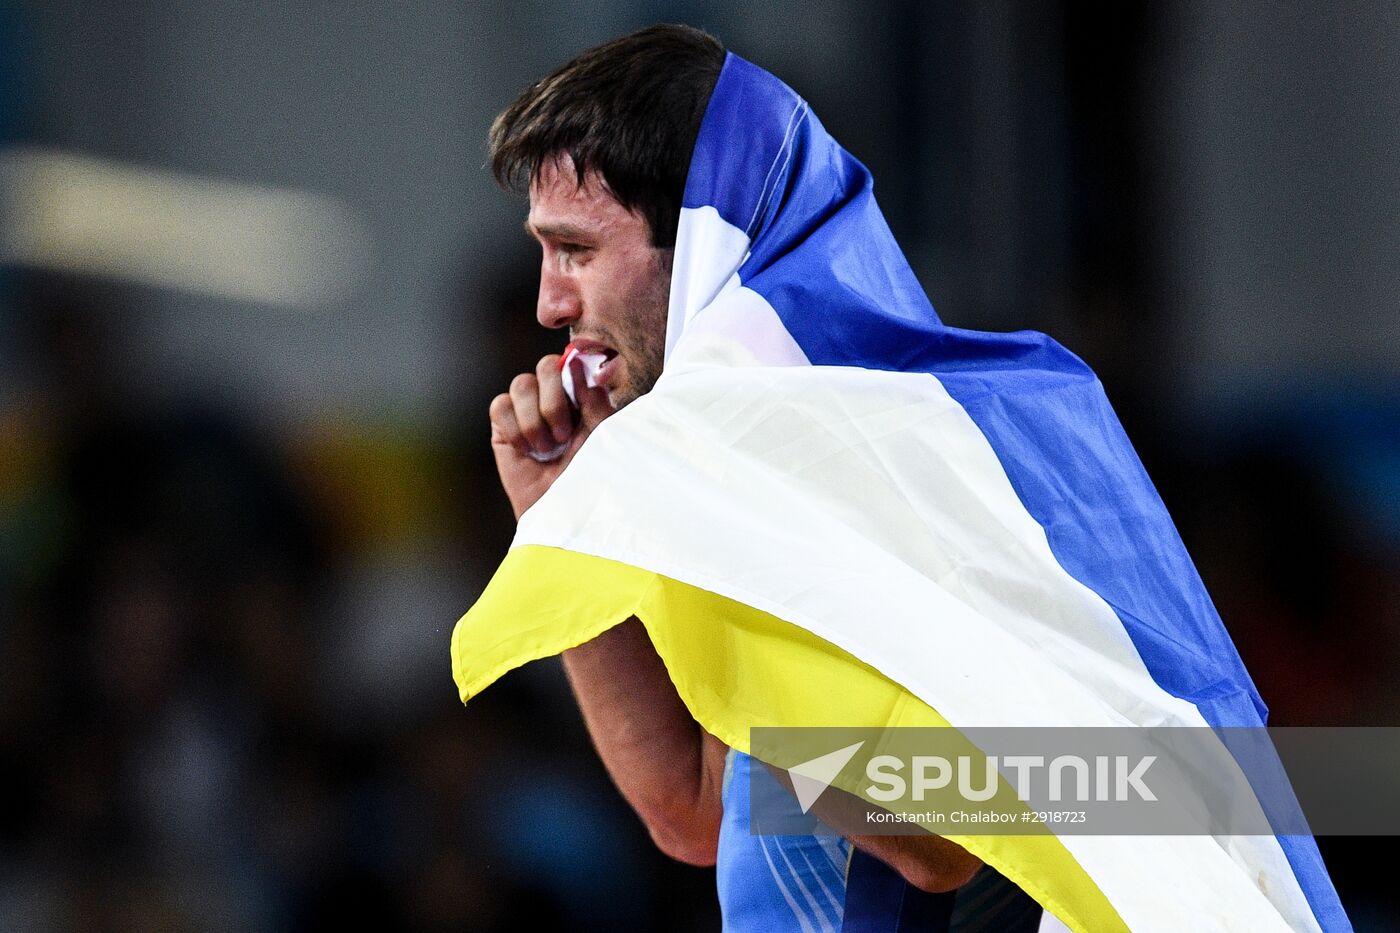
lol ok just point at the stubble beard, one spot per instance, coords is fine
(643, 341)
(645, 357)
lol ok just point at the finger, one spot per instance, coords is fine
(525, 395)
(554, 404)
(593, 404)
(504, 429)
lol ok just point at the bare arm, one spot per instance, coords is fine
(930, 863)
(667, 767)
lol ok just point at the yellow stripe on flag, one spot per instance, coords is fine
(736, 668)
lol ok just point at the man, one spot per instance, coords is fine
(827, 507)
(606, 225)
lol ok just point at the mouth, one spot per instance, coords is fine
(605, 372)
(610, 358)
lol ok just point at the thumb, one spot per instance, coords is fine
(593, 404)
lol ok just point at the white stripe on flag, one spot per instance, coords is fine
(867, 508)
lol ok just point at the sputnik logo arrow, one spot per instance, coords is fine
(811, 778)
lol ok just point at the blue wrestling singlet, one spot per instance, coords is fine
(823, 884)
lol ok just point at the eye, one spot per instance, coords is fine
(571, 255)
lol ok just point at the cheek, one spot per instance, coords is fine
(627, 295)
(616, 290)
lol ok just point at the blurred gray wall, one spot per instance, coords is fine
(1267, 140)
(1278, 134)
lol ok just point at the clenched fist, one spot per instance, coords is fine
(535, 415)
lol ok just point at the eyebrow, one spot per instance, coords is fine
(560, 230)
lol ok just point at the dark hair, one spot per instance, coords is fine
(630, 109)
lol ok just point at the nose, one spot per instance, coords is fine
(559, 304)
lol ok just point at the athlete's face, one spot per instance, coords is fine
(600, 277)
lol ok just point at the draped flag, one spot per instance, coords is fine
(835, 510)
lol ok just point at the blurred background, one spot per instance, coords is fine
(257, 289)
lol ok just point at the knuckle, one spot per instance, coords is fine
(528, 423)
(558, 415)
(499, 406)
(523, 383)
(547, 366)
